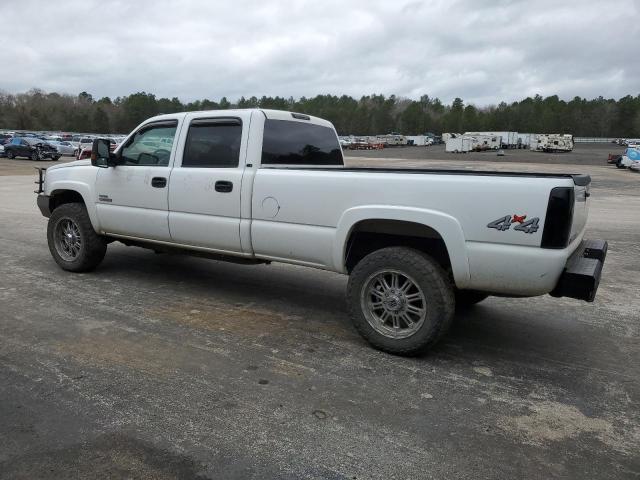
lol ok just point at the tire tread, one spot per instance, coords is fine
(94, 245)
(428, 269)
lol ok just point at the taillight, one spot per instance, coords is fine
(557, 224)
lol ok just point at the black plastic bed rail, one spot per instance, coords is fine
(40, 181)
(578, 179)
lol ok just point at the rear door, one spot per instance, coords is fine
(133, 197)
(205, 186)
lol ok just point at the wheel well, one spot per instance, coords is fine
(60, 197)
(368, 236)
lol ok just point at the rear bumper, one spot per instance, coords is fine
(581, 275)
(44, 205)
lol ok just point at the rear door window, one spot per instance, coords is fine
(213, 143)
(299, 143)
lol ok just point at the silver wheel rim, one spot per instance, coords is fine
(67, 239)
(393, 304)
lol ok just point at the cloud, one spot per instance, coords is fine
(483, 51)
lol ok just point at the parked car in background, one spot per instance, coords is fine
(84, 153)
(75, 140)
(32, 148)
(84, 142)
(630, 156)
(63, 147)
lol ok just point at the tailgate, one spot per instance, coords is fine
(580, 210)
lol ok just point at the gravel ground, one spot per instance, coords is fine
(158, 366)
(583, 154)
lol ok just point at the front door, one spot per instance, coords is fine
(133, 197)
(204, 193)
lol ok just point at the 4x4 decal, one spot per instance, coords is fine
(523, 225)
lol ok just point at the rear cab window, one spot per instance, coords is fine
(300, 143)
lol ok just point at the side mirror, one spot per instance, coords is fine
(101, 155)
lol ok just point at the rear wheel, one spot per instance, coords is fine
(35, 155)
(73, 243)
(10, 154)
(55, 158)
(400, 300)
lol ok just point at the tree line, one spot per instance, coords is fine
(368, 115)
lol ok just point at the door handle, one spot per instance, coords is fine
(158, 182)
(224, 186)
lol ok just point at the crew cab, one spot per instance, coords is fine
(256, 186)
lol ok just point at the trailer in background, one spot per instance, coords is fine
(481, 143)
(509, 139)
(391, 139)
(416, 140)
(446, 136)
(524, 140)
(552, 142)
(460, 144)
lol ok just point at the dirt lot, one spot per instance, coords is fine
(160, 366)
(583, 154)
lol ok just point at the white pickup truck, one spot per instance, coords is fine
(255, 186)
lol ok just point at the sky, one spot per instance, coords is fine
(482, 51)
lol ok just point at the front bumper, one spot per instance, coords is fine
(44, 205)
(581, 276)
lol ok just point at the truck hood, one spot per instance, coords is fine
(77, 163)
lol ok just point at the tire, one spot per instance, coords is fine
(11, 155)
(55, 158)
(88, 248)
(427, 278)
(35, 156)
(468, 298)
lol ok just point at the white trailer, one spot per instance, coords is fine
(509, 139)
(392, 139)
(461, 144)
(552, 142)
(524, 140)
(419, 140)
(485, 142)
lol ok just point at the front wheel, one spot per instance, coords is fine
(10, 155)
(400, 300)
(35, 155)
(55, 158)
(73, 243)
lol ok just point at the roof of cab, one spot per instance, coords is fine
(270, 114)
